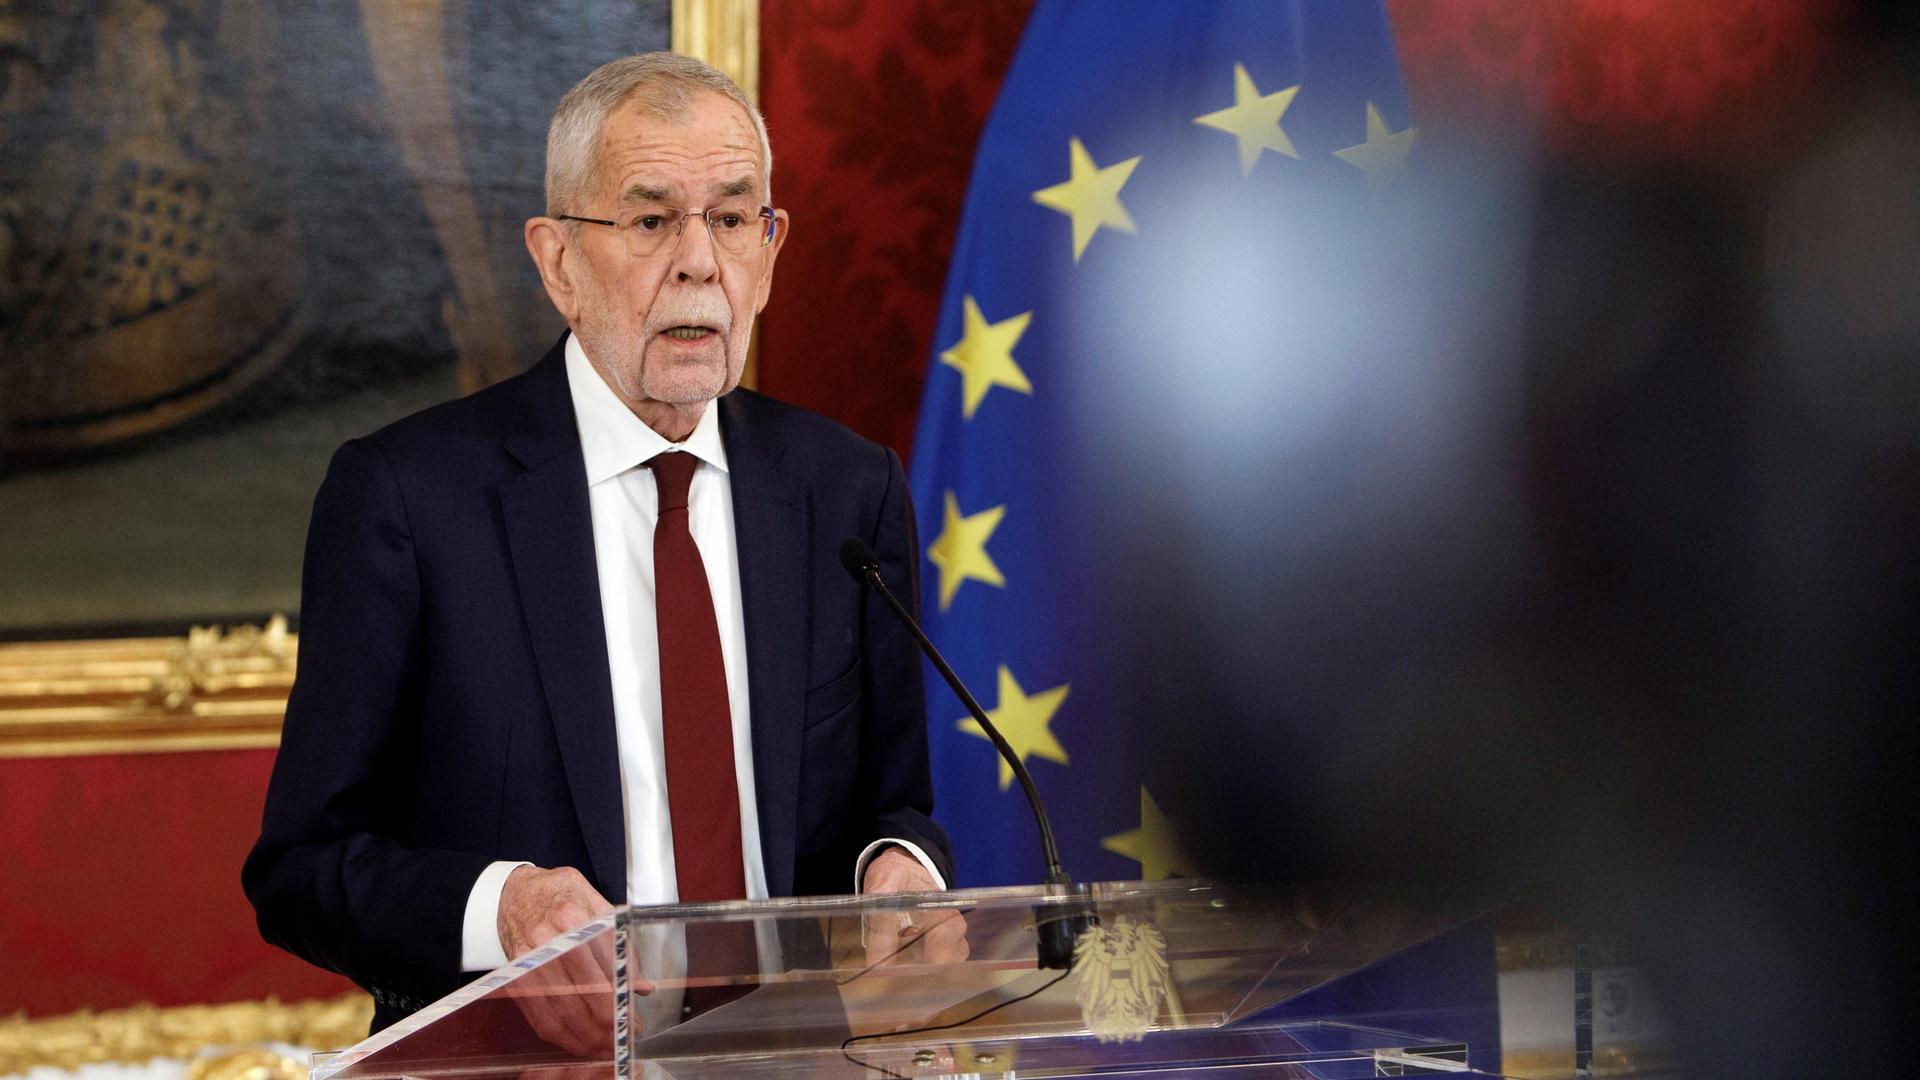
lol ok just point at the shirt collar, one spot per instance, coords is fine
(614, 440)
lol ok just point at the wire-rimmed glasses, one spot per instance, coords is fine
(736, 229)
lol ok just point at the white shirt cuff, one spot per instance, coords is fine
(911, 848)
(480, 948)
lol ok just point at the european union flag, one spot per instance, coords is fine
(1147, 174)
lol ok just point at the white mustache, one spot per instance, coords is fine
(691, 309)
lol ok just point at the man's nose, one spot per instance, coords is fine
(693, 255)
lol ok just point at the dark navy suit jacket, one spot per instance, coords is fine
(453, 704)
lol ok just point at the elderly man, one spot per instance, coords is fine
(583, 635)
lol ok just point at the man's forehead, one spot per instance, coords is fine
(711, 146)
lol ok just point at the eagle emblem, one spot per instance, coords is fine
(1122, 967)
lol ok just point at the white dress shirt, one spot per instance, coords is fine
(625, 503)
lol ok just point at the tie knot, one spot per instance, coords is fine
(673, 474)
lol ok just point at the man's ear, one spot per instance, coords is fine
(554, 255)
(772, 252)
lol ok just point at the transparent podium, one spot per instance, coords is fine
(1164, 978)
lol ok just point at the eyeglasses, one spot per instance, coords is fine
(735, 229)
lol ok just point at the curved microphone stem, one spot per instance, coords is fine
(1057, 924)
(1056, 875)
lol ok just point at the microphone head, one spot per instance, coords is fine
(858, 558)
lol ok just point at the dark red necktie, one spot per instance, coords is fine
(696, 724)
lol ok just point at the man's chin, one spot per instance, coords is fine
(684, 378)
(684, 387)
(687, 379)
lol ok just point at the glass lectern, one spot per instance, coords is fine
(1166, 978)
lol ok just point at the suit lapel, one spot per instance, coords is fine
(772, 533)
(549, 528)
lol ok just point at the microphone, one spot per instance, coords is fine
(1059, 927)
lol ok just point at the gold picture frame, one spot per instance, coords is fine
(215, 1038)
(223, 688)
(724, 33)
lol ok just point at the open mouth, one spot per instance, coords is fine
(688, 333)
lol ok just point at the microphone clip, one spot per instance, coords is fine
(1059, 925)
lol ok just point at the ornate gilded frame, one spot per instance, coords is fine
(724, 33)
(221, 1042)
(226, 688)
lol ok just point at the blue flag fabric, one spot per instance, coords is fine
(1140, 154)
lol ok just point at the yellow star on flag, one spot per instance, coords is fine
(1254, 119)
(960, 551)
(1023, 721)
(984, 356)
(1153, 845)
(1384, 154)
(1091, 196)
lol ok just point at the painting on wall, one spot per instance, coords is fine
(236, 235)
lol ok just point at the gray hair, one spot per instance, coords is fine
(672, 83)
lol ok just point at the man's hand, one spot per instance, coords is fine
(893, 870)
(569, 1000)
(896, 937)
(537, 905)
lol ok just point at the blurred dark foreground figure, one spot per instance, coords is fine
(1624, 631)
